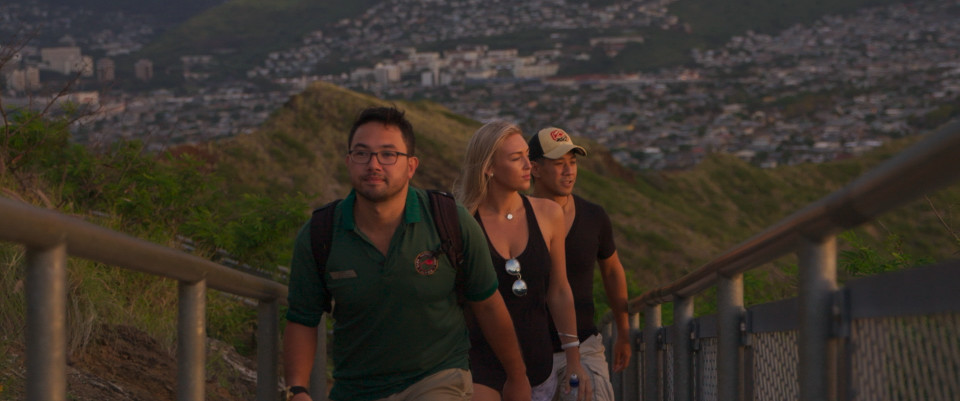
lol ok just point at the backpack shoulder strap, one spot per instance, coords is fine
(321, 237)
(444, 209)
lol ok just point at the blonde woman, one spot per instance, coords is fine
(526, 239)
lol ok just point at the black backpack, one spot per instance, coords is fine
(444, 210)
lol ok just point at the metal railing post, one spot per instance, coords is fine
(318, 376)
(630, 385)
(682, 355)
(267, 338)
(651, 353)
(46, 336)
(191, 341)
(729, 315)
(818, 283)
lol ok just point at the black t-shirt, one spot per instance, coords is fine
(590, 239)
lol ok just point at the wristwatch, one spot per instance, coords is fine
(292, 391)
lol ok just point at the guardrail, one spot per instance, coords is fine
(670, 362)
(721, 356)
(50, 237)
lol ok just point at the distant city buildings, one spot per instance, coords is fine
(143, 70)
(64, 60)
(613, 45)
(106, 70)
(817, 92)
(813, 93)
(465, 63)
(197, 67)
(389, 26)
(23, 80)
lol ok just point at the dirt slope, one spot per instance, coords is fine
(123, 363)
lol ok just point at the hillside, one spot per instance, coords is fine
(708, 24)
(666, 223)
(250, 194)
(242, 32)
(301, 147)
(167, 11)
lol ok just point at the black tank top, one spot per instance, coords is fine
(529, 312)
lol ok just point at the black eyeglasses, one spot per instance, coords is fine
(385, 157)
(513, 268)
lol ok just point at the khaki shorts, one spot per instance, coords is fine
(594, 361)
(445, 385)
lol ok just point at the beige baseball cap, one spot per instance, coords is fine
(552, 143)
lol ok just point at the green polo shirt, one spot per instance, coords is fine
(396, 321)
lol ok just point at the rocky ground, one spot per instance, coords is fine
(123, 363)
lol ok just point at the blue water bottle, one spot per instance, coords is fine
(574, 388)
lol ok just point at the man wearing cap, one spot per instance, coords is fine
(589, 238)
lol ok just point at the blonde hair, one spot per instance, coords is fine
(471, 186)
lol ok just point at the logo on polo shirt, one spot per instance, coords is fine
(426, 263)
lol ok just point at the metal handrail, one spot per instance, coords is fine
(924, 167)
(42, 228)
(49, 237)
(811, 233)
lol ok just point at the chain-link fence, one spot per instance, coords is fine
(906, 358)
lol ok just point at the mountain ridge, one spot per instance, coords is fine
(245, 31)
(441, 138)
(242, 32)
(665, 222)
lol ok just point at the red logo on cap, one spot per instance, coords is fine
(558, 135)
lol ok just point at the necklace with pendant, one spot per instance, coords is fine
(510, 215)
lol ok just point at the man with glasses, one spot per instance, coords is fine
(589, 240)
(399, 331)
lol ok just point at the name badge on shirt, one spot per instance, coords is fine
(343, 274)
